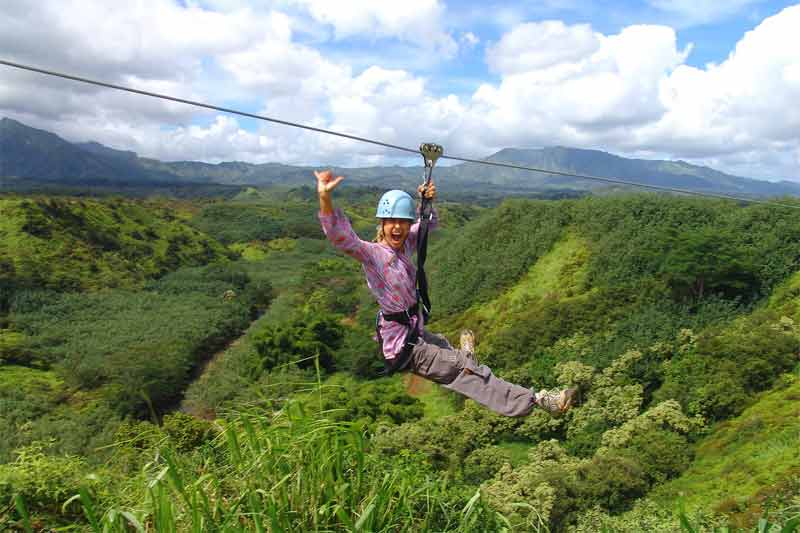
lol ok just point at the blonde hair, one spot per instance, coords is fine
(380, 235)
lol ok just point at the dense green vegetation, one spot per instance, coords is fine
(236, 388)
(78, 244)
(118, 353)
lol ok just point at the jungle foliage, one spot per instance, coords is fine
(237, 389)
(70, 244)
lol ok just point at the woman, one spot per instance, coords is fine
(405, 344)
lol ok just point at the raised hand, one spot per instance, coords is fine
(326, 182)
(429, 192)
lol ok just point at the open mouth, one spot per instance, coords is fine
(396, 238)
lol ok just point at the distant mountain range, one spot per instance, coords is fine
(29, 155)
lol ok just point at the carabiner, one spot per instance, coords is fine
(430, 153)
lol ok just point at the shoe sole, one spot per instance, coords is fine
(470, 342)
(569, 397)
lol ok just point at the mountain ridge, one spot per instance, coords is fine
(40, 156)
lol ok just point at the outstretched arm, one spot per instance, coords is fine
(336, 226)
(326, 183)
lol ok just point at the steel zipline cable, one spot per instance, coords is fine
(589, 177)
(620, 182)
(202, 104)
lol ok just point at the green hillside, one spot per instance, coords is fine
(748, 464)
(242, 395)
(751, 463)
(78, 244)
(106, 309)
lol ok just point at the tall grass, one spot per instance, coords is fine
(764, 525)
(292, 472)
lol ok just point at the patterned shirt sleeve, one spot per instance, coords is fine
(338, 230)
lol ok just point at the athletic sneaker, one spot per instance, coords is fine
(467, 340)
(555, 401)
(468, 343)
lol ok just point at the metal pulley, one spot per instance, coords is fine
(430, 152)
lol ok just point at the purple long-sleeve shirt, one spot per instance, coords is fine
(391, 276)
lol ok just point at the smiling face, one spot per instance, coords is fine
(395, 232)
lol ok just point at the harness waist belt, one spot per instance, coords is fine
(402, 359)
(403, 317)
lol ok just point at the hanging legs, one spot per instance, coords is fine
(434, 358)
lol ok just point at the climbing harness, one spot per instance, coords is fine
(430, 153)
(402, 359)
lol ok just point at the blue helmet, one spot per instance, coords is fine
(396, 204)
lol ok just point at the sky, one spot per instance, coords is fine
(710, 82)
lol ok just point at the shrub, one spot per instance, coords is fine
(186, 432)
(447, 441)
(300, 342)
(612, 481)
(586, 436)
(540, 494)
(383, 401)
(359, 353)
(13, 347)
(644, 516)
(484, 463)
(662, 454)
(45, 482)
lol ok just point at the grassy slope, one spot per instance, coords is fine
(743, 456)
(746, 458)
(740, 462)
(89, 244)
(559, 274)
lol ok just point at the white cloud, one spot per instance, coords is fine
(538, 45)
(568, 84)
(223, 140)
(469, 40)
(153, 39)
(417, 21)
(155, 45)
(279, 67)
(747, 102)
(389, 105)
(631, 92)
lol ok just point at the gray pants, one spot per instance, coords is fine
(434, 358)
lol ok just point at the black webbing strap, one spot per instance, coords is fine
(422, 253)
(403, 317)
(430, 154)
